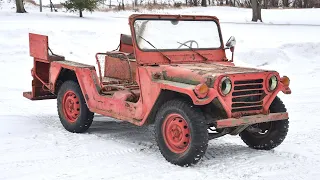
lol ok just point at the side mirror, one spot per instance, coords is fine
(231, 43)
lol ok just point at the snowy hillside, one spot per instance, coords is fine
(34, 145)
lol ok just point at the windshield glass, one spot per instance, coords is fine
(174, 34)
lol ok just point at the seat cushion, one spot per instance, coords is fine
(109, 80)
(126, 39)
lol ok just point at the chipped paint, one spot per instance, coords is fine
(253, 119)
(179, 79)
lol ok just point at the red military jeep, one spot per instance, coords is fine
(172, 72)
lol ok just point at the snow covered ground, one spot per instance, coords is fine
(34, 145)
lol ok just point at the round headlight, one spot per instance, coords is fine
(272, 83)
(225, 86)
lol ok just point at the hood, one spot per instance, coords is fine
(202, 72)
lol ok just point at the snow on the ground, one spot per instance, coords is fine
(34, 145)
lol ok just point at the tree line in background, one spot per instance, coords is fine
(256, 5)
(247, 3)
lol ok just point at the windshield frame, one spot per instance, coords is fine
(177, 55)
(185, 49)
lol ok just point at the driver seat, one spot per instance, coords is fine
(126, 44)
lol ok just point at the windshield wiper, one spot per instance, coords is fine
(156, 49)
(205, 58)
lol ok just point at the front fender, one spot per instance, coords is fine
(188, 89)
(284, 89)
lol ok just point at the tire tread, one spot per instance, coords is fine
(200, 143)
(86, 116)
(268, 142)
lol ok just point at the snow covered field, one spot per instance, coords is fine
(34, 145)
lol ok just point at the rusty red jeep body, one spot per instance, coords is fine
(192, 94)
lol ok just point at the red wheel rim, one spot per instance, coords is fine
(176, 133)
(71, 106)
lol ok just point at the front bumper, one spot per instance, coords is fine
(248, 120)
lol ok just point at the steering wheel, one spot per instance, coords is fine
(191, 42)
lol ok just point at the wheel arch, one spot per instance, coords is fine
(164, 96)
(212, 111)
(64, 75)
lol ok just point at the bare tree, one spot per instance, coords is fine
(265, 4)
(285, 3)
(256, 10)
(204, 3)
(195, 3)
(20, 6)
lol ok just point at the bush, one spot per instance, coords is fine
(81, 5)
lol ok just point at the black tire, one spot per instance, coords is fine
(84, 116)
(197, 128)
(277, 130)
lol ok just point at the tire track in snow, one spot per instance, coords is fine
(221, 156)
(243, 162)
(79, 157)
(55, 129)
(57, 161)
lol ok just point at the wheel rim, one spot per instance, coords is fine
(71, 106)
(176, 133)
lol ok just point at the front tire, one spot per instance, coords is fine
(72, 108)
(272, 133)
(181, 132)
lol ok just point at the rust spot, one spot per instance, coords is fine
(202, 72)
(210, 81)
(157, 75)
(86, 96)
(179, 79)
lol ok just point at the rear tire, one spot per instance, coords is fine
(72, 108)
(181, 132)
(275, 131)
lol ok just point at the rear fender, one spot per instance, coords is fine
(63, 71)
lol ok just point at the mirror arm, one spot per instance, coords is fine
(232, 52)
(232, 57)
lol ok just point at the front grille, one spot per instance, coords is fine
(247, 95)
